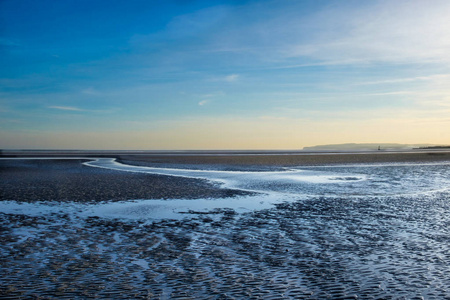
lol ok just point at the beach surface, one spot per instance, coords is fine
(286, 159)
(225, 226)
(59, 180)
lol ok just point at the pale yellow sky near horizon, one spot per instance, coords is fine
(236, 134)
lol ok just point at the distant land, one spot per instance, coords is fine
(370, 146)
(435, 147)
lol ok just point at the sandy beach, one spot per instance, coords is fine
(367, 235)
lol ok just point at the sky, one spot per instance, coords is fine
(186, 75)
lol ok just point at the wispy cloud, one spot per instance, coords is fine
(203, 102)
(232, 77)
(293, 35)
(383, 31)
(227, 78)
(208, 98)
(77, 109)
(197, 22)
(436, 77)
(91, 91)
(402, 31)
(67, 108)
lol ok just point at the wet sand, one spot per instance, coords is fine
(316, 249)
(247, 158)
(286, 160)
(335, 248)
(70, 181)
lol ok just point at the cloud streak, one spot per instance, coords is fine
(399, 32)
(434, 78)
(232, 77)
(66, 108)
(385, 31)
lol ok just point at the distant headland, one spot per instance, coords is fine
(372, 146)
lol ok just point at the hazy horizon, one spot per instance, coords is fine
(316, 148)
(228, 75)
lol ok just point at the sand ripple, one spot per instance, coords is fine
(339, 248)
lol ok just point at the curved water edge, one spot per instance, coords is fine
(234, 179)
(268, 187)
(290, 185)
(271, 187)
(390, 179)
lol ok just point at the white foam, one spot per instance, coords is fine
(345, 180)
(177, 208)
(242, 180)
(144, 208)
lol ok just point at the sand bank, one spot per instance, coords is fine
(288, 159)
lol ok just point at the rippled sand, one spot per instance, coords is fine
(336, 248)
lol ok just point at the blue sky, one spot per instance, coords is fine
(223, 74)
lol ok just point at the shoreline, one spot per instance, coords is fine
(25, 152)
(286, 160)
(243, 158)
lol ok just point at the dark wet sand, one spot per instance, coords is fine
(70, 181)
